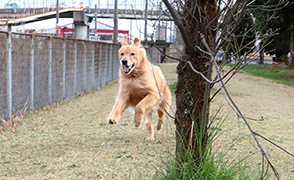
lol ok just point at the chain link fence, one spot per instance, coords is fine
(37, 70)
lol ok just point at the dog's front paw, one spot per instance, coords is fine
(138, 121)
(149, 138)
(112, 121)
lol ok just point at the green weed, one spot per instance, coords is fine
(283, 76)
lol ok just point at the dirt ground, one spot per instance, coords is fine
(74, 140)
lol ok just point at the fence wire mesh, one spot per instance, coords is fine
(36, 70)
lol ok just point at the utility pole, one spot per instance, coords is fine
(131, 30)
(57, 18)
(171, 30)
(95, 22)
(115, 28)
(159, 22)
(146, 17)
(165, 31)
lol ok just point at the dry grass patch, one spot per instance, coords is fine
(259, 98)
(74, 140)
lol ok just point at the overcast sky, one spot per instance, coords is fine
(123, 24)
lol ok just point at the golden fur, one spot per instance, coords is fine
(142, 86)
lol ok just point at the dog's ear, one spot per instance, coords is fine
(142, 54)
(124, 41)
(137, 42)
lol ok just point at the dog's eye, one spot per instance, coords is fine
(133, 54)
(121, 54)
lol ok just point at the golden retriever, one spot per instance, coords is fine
(142, 86)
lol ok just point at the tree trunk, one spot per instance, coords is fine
(291, 58)
(190, 94)
(261, 56)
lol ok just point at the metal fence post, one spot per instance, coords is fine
(99, 66)
(64, 69)
(32, 72)
(106, 65)
(93, 65)
(85, 66)
(75, 67)
(117, 63)
(9, 76)
(111, 62)
(50, 71)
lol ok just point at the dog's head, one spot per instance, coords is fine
(130, 56)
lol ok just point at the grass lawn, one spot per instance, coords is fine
(72, 140)
(283, 76)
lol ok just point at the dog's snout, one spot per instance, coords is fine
(124, 62)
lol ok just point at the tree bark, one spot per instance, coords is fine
(261, 54)
(291, 58)
(261, 57)
(198, 19)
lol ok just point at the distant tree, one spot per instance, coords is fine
(281, 19)
(243, 36)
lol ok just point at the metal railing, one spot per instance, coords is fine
(43, 69)
(29, 4)
(87, 4)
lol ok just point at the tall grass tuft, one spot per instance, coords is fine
(216, 164)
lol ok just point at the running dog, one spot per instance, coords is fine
(142, 86)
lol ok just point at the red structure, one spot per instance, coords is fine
(102, 34)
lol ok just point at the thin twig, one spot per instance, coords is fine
(265, 138)
(179, 23)
(167, 54)
(261, 119)
(239, 113)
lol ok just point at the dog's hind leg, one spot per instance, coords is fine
(143, 107)
(164, 108)
(149, 126)
(161, 118)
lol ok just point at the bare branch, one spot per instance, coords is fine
(239, 113)
(263, 137)
(261, 119)
(179, 23)
(167, 54)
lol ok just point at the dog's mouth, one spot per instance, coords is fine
(128, 69)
